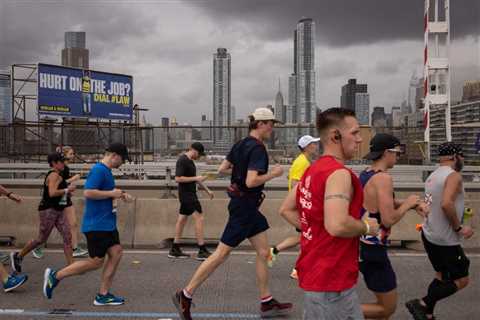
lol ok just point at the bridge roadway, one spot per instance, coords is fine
(147, 278)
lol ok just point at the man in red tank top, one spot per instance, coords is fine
(326, 205)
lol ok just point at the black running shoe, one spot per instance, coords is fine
(418, 311)
(16, 262)
(183, 305)
(177, 253)
(203, 254)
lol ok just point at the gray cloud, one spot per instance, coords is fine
(341, 22)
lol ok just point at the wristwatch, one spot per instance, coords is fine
(459, 228)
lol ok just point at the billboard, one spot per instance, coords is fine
(72, 92)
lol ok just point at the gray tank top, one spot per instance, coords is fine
(436, 227)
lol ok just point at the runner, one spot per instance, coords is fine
(69, 211)
(13, 280)
(308, 146)
(54, 200)
(379, 203)
(442, 232)
(326, 205)
(247, 162)
(100, 228)
(187, 179)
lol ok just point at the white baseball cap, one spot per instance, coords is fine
(263, 114)
(304, 141)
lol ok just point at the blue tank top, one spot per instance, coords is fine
(382, 237)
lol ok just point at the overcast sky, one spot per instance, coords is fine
(167, 46)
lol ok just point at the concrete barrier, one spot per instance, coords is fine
(149, 221)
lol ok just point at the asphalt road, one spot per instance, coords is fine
(148, 278)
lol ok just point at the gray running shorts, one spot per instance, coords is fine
(343, 305)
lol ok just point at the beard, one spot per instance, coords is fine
(458, 165)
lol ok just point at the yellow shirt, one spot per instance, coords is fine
(299, 165)
(86, 84)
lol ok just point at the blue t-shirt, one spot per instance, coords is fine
(99, 215)
(248, 154)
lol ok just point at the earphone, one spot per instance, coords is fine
(337, 136)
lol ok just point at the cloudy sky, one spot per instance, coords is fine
(167, 46)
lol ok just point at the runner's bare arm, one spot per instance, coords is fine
(53, 181)
(225, 167)
(288, 209)
(338, 221)
(452, 188)
(383, 184)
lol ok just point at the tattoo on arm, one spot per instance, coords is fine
(337, 196)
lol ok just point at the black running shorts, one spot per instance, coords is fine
(450, 261)
(98, 242)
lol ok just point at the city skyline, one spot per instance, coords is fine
(171, 61)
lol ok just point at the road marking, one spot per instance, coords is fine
(90, 314)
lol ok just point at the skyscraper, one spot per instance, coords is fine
(279, 105)
(5, 98)
(304, 70)
(362, 108)
(221, 95)
(347, 99)
(75, 54)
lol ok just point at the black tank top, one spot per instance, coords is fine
(57, 203)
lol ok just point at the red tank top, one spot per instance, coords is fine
(326, 263)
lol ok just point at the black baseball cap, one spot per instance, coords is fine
(449, 149)
(198, 147)
(55, 157)
(380, 143)
(120, 149)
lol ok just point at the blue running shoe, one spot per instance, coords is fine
(108, 300)
(49, 282)
(14, 281)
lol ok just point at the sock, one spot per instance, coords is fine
(438, 290)
(175, 246)
(187, 294)
(266, 299)
(275, 250)
(202, 247)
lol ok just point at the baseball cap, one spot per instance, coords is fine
(380, 143)
(263, 114)
(305, 140)
(198, 147)
(450, 149)
(55, 157)
(120, 149)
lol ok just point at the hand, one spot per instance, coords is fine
(116, 193)
(71, 188)
(210, 194)
(466, 232)
(413, 201)
(15, 197)
(201, 178)
(374, 226)
(277, 171)
(127, 197)
(423, 209)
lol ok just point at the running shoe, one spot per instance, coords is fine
(203, 254)
(418, 311)
(79, 252)
(14, 281)
(108, 300)
(37, 253)
(177, 253)
(49, 282)
(272, 257)
(183, 305)
(16, 262)
(273, 308)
